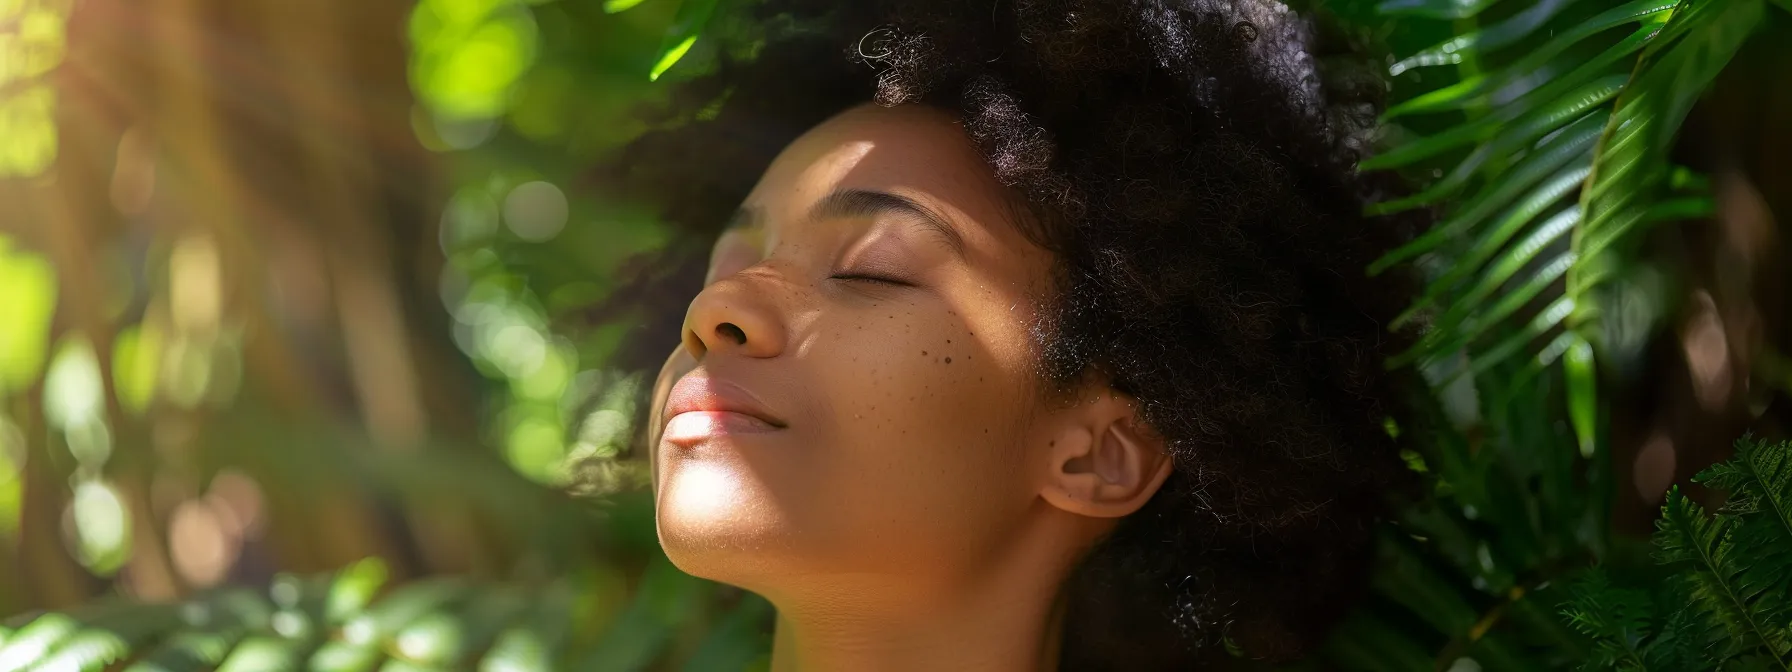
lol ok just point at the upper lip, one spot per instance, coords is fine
(698, 392)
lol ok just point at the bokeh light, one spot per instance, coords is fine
(99, 527)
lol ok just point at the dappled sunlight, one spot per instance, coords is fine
(203, 547)
(32, 48)
(246, 251)
(324, 337)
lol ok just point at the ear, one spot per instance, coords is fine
(1104, 462)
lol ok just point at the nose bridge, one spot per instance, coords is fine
(739, 314)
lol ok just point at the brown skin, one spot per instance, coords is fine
(898, 480)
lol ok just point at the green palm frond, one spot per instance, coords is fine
(1550, 181)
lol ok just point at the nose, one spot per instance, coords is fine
(736, 315)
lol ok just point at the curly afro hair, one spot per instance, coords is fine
(1194, 175)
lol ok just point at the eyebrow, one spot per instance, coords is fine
(861, 203)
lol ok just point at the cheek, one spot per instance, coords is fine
(923, 419)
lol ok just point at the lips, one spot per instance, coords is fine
(700, 407)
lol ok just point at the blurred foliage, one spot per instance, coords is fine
(352, 620)
(285, 288)
(29, 49)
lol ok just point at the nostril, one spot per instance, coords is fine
(733, 333)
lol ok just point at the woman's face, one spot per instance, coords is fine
(856, 391)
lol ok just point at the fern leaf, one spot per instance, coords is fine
(1687, 635)
(1617, 619)
(1707, 547)
(1759, 480)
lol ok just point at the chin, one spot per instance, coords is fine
(718, 526)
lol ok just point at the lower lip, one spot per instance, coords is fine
(693, 426)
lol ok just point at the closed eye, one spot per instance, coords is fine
(859, 277)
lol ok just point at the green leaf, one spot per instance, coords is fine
(25, 647)
(1583, 390)
(1464, 311)
(110, 631)
(1617, 619)
(1474, 87)
(670, 57)
(189, 651)
(451, 639)
(27, 301)
(615, 6)
(1568, 144)
(1477, 41)
(1759, 480)
(1514, 126)
(353, 589)
(136, 358)
(344, 657)
(1519, 381)
(1546, 320)
(1703, 546)
(91, 650)
(387, 617)
(263, 654)
(665, 598)
(1594, 272)
(1630, 166)
(534, 644)
(693, 16)
(1436, 9)
(1495, 238)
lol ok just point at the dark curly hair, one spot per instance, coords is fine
(1194, 175)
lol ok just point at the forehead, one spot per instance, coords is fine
(910, 150)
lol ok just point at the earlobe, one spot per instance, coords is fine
(1106, 467)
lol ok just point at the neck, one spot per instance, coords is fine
(1007, 617)
(983, 630)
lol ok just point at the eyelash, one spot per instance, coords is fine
(869, 278)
